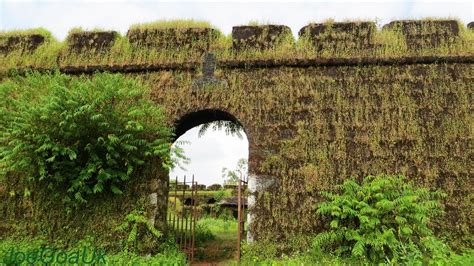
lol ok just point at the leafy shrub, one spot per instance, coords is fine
(385, 218)
(82, 135)
(132, 223)
(258, 252)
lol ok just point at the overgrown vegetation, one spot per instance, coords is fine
(169, 255)
(385, 218)
(82, 136)
(132, 224)
(177, 23)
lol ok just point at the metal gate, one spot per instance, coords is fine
(183, 212)
(182, 217)
(241, 206)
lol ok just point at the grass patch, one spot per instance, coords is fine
(169, 255)
(167, 24)
(41, 31)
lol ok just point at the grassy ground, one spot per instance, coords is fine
(54, 255)
(220, 249)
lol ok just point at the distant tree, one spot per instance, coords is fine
(232, 176)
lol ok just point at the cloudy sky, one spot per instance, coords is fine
(210, 153)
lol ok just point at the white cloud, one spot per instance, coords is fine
(210, 153)
(60, 16)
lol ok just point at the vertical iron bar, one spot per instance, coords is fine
(239, 218)
(186, 236)
(182, 213)
(193, 218)
(175, 205)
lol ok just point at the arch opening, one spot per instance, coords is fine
(206, 116)
(218, 156)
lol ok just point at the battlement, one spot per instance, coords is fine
(156, 44)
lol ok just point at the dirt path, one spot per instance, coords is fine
(219, 251)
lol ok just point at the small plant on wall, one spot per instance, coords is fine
(81, 136)
(383, 219)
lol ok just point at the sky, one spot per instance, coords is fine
(210, 153)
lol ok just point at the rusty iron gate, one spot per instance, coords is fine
(181, 216)
(241, 213)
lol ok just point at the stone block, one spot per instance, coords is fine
(340, 35)
(258, 37)
(426, 33)
(27, 43)
(91, 41)
(168, 38)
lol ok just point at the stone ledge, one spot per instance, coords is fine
(270, 63)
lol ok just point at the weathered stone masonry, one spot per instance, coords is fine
(312, 122)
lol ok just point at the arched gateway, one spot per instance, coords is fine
(312, 117)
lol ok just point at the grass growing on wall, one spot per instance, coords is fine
(177, 23)
(45, 56)
(388, 43)
(313, 127)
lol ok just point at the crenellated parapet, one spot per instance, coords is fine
(158, 44)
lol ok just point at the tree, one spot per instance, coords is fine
(232, 176)
(231, 128)
(81, 135)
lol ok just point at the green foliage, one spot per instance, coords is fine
(132, 223)
(219, 226)
(203, 234)
(385, 218)
(232, 176)
(83, 135)
(231, 128)
(176, 23)
(259, 251)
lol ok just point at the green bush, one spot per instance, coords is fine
(83, 135)
(385, 218)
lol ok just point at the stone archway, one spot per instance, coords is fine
(194, 119)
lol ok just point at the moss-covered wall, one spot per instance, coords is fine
(313, 121)
(32, 210)
(310, 128)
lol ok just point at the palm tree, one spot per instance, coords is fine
(230, 127)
